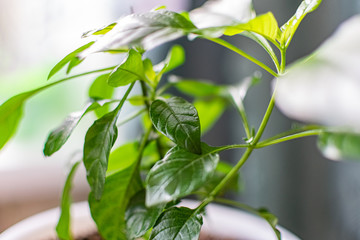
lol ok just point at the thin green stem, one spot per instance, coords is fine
(307, 133)
(283, 60)
(131, 117)
(242, 53)
(241, 109)
(265, 120)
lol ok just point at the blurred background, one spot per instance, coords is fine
(313, 197)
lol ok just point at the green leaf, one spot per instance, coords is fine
(174, 58)
(265, 25)
(99, 140)
(58, 137)
(71, 57)
(289, 28)
(178, 174)
(263, 43)
(99, 31)
(271, 219)
(109, 212)
(145, 30)
(63, 226)
(340, 145)
(178, 223)
(209, 111)
(122, 157)
(197, 88)
(179, 121)
(139, 218)
(129, 71)
(99, 89)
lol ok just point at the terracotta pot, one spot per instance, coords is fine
(219, 221)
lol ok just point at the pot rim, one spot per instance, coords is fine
(219, 220)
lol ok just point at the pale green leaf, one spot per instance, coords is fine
(264, 25)
(99, 89)
(63, 227)
(127, 72)
(289, 28)
(69, 58)
(197, 88)
(178, 174)
(271, 219)
(99, 31)
(145, 30)
(178, 120)
(340, 145)
(178, 224)
(58, 137)
(209, 110)
(174, 58)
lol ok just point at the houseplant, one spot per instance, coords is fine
(142, 181)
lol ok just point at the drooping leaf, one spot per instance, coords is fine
(271, 219)
(12, 109)
(129, 71)
(146, 30)
(209, 111)
(139, 218)
(58, 137)
(289, 28)
(178, 174)
(99, 140)
(178, 120)
(109, 212)
(69, 58)
(340, 145)
(177, 223)
(264, 25)
(63, 228)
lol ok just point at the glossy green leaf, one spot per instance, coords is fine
(139, 218)
(99, 31)
(209, 110)
(127, 72)
(197, 88)
(264, 25)
(109, 212)
(289, 28)
(69, 58)
(178, 120)
(178, 174)
(340, 145)
(99, 140)
(177, 224)
(145, 30)
(63, 226)
(58, 137)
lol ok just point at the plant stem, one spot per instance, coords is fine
(242, 53)
(281, 139)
